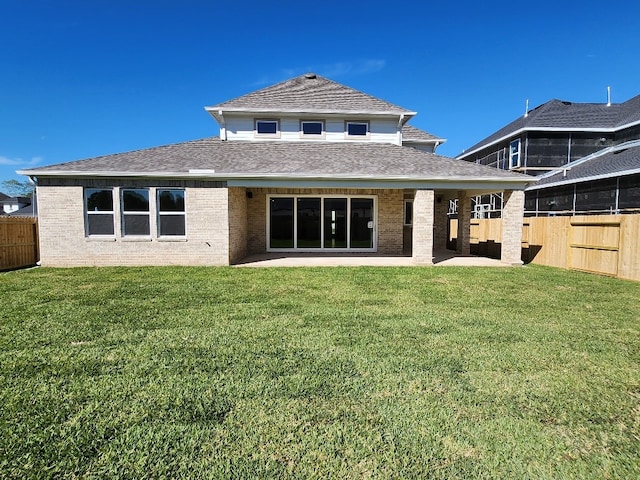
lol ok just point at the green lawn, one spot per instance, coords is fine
(318, 373)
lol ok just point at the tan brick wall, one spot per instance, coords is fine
(512, 217)
(423, 217)
(64, 244)
(464, 223)
(440, 222)
(390, 215)
(237, 224)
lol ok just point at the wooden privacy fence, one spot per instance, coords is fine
(602, 244)
(18, 242)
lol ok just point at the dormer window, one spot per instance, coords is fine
(357, 129)
(267, 128)
(312, 129)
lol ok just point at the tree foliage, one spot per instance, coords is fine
(17, 188)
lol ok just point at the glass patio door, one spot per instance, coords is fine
(335, 223)
(309, 223)
(361, 223)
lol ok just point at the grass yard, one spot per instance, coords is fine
(368, 372)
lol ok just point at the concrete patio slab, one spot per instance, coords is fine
(441, 258)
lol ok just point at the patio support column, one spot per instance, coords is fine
(440, 223)
(512, 218)
(423, 210)
(463, 244)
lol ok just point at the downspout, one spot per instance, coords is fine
(223, 127)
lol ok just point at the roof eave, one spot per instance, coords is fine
(211, 175)
(216, 111)
(548, 129)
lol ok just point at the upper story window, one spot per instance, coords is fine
(357, 129)
(312, 128)
(514, 154)
(135, 212)
(267, 128)
(99, 211)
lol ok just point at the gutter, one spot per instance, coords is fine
(603, 176)
(212, 175)
(407, 114)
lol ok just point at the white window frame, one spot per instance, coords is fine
(357, 122)
(515, 154)
(321, 135)
(266, 135)
(407, 201)
(124, 213)
(88, 213)
(160, 213)
(295, 248)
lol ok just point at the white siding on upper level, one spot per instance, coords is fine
(384, 130)
(428, 147)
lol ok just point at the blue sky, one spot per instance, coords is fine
(82, 78)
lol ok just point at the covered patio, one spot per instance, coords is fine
(442, 257)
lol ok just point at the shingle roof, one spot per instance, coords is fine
(3, 196)
(557, 114)
(309, 92)
(286, 159)
(614, 161)
(413, 134)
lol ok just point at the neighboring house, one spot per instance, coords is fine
(306, 165)
(586, 157)
(11, 205)
(30, 210)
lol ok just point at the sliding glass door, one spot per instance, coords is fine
(308, 223)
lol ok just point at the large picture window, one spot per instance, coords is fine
(313, 223)
(99, 211)
(171, 213)
(135, 212)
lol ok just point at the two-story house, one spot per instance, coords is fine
(306, 165)
(586, 157)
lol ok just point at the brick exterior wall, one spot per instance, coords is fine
(464, 223)
(63, 241)
(390, 207)
(512, 218)
(423, 234)
(440, 223)
(237, 224)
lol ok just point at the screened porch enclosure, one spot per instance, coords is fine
(312, 223)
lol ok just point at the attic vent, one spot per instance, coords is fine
(310, 76)
(567, 103)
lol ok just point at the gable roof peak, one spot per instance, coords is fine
(310, 93)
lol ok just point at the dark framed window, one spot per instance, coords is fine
(312, 128)
(408, 212)
(357, 129)
(135, 212)
(171, 212)
(514, 154)
(99, 211)
(267, 127)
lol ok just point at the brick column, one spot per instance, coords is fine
(440, 223)
(464, 224)
(512, 218)
(423, 209)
